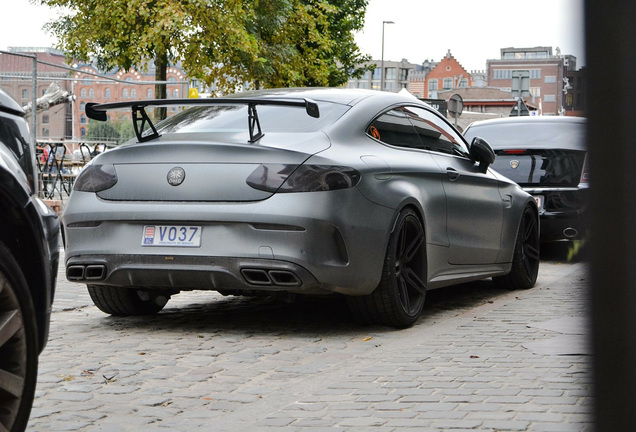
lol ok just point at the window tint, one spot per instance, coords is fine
(394, 127)
(15, 135)
(233, 118)
(435, 134)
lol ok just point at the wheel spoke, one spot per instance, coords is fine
(531, 252)
(403, 290)
(415, 242)
(414, 281)
(529, 227)
(10, 324)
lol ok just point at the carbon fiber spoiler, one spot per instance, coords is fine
(141, 120)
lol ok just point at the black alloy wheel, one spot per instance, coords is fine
(18, 345)
(525, 261)
(399, 298)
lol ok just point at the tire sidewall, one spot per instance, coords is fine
(12, 276)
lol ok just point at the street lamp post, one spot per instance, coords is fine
(382, 60)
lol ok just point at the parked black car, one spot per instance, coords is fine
(548, 158)
(29, 254)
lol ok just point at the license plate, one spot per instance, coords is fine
(171, 235)
(539, 200)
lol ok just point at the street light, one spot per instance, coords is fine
(382, 61)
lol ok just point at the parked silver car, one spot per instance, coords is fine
(310, 191)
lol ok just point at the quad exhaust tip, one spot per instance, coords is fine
(264, 277)
(80, 272)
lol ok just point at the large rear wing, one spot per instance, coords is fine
(141, 120)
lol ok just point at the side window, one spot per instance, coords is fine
(394, 128)
(435, 134)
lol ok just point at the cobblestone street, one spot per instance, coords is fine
(480, 358)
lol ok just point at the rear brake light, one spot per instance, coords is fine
(303, 178)
(513, 151)
(95, 178)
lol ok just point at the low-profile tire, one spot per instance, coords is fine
(399, 298)
(120, 301)
(525, 261)
(18, 346)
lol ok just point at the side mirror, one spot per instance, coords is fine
(480, 151)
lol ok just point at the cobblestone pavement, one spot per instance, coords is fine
(480, 358)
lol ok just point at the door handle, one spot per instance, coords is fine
(452, 173)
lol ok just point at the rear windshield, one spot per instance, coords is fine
(539, 135)
(234, 119)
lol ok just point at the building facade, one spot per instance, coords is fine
(91, 85)
(447, 74)
(547, 73)
(16, 77)
(396, 76)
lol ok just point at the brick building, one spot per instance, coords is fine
(16, 77)
(119, 86)
(447, 74)
(546, 71)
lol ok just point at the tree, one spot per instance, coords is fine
(268, 43)
(305, 43)
(130, 33)
(101, 131)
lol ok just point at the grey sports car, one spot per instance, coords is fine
(306, 191)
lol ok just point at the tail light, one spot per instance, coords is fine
(95, 178)
(302, 178)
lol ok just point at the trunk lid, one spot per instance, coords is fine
(212, 169)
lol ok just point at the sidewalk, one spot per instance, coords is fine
(480, 359)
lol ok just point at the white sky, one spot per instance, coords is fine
(473, 30)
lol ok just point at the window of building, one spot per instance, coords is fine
(404, 74)
(45, 132)
(83, 132)
(83, 119)
(175, 93)
(463, 82)
(432, 84)
(390, 86)
(391, 73)
(363, 85)
(550, 79)
(448, 83)
(377, 73)
(124, 93)
(133, 93)
(107, 93)
(91, 93)
(367, 75)
(25, 94)
(172, 79)
(83, 92)
(83, 106)
(549, 98)
(45, 118)
(535, 73)
(535, 91)
(502, 74)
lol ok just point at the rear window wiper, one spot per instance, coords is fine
(142, 122)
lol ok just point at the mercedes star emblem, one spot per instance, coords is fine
(176, 176)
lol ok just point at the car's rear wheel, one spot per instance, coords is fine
(525, 261)
(120, 301)
(18, 345)
(399, 298)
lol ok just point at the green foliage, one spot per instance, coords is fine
(270, 43)
(101, 131)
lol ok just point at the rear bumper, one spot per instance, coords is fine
(305, 242)
(563, 214)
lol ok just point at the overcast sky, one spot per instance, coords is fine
(474, 31)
